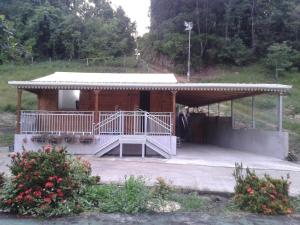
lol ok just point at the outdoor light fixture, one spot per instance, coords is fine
(189, 27)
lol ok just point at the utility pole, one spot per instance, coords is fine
(189, 27)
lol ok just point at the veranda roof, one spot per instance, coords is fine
(192, 94)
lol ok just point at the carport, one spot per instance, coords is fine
(203, 128)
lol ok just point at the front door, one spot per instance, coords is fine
(145, 101)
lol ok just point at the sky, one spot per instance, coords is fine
(137, 11)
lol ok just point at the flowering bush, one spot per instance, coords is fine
(45, 183)
(261, 195)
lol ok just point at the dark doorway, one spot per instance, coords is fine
(145, 101)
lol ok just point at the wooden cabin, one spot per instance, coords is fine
(102, 113)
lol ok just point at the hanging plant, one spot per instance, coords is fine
(55, 139)
(70, 139)
(86, 139)
(39, 139)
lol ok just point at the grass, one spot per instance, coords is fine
(191, 202)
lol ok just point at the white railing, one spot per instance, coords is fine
(58, 122)
(111, 123)
(134, 123)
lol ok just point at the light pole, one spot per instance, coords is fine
(189, 27)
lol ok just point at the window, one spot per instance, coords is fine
(68, 99)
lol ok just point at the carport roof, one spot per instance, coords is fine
(191, 94)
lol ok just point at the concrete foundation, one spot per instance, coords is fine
(25, 141)
(268, 143)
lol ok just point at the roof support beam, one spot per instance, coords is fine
(279, 112)
(96, 92)
(174, 93)
(18, 111)
(232, 115)
(253, 113)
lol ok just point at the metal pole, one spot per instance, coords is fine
(208, 110)
(280, 112)
(253, 112)
(232, 115)
(218, 109)
(189, 58)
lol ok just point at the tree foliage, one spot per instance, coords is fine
(225, 31)
(67, 29)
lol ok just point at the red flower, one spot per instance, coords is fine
(52, 178)
(28, 198)
(8, 202)
(52, 196)
(37, 194)
(59, 180)
(60, 193)
(49, 185)
(250, 190)
(48, 148)
(28, 191)
(20, 197)
(47, 200)
(20, 186)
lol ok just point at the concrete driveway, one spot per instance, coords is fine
(197, 167)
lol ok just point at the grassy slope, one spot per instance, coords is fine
(249, 74)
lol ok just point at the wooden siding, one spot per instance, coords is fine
(48, 100)
(160, 101)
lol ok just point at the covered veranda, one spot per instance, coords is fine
(169, 95)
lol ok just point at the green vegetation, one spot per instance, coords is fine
(45, 183)
(51, 183)
(191, 202)
(261, 195)
(233, 32)
(63, 30)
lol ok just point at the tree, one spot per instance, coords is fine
(279, 57)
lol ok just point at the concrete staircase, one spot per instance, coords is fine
(144, 141)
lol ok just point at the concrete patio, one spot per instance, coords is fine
(198, 167)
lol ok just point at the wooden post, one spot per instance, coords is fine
(18, 111)
(174, 112)
(96, 106)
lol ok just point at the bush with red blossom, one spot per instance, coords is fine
(264, 195)
(45, 183)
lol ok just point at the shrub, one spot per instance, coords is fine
(45, 183)
(162, 190)
(261, 195)
(132, 197)
(2, 179)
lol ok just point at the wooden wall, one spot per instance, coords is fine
(48, 100)
(160, 101)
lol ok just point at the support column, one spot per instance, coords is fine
(96, 106)
(18, 111)
(253, 113)
(232, 115)
(208, 110)
(174, 112)
(280, 112)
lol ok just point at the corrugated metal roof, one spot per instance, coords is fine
(96, 81)
(122, 78)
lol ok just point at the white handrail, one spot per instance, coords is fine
(134, 123)
(59, 122)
